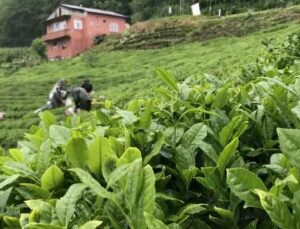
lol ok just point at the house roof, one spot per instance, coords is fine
(92, 10)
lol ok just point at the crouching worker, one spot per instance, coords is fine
(82, 98)
(57, 97)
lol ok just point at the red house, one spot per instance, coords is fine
(72, 29)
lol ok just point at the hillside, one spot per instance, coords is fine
(202, 153)
(120, 75)
(166, 32)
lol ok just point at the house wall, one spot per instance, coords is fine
(78, 44)
(99, 25)
(59, 49)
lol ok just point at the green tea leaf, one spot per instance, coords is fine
(77, 152)
(134, 184)
(156, 149)
(220, 100)
(290, 144)
(189, 174)
(91, 224)
(145, 199)
(242, 182)
(17, 154)
(277, 210)
(194, 136)
(184, 158)
(237, 126)
(41, 226)
(128, 117)
(8, 181)
(130, 155)
(36, 191)
(21, 169)
(188, 209)
(4, 197)
(59, 134)
(154, 223)
(42, 212)
(296, 203)
(116, 146)
(209, 151)
(148, 193)
(164, 196)
(212, 180)
(146, 117)
(225, 156)
(117, 174)
(35, 204)
(168, 78)
(43, 157)
(11, 222)
(224, 213)
(47, 119)
(52, 178)
(88, 180)
(65, 207)
(97, 153)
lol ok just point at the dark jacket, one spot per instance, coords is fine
(81, 99)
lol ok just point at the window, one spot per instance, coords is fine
(57, 26)
(113, 27)
(78, 24)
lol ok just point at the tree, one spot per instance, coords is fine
(142, 9)
(20, 21)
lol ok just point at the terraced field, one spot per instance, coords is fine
(166, 32)
(124, 74)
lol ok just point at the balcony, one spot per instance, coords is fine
(57, 35)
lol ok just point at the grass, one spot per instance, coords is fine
(159, 33)
(123, 75)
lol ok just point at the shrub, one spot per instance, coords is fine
(99, 39)
(39, 47)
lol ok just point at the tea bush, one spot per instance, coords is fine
(200, 154)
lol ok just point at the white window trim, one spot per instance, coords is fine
(114, 27)
(58, 26)
(78, 24)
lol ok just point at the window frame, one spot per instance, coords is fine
(78, 24)
(114, 27)
(58, 26)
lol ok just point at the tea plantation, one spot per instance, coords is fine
(201, 134)
(209, 152)
(122, 75)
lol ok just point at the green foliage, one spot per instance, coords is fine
(52, 178)
(241, 182)
(31, 85)
(162, 163)
(77, 152)
(65, 207)
(39, 47)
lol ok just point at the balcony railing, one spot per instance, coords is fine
(56, 35)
